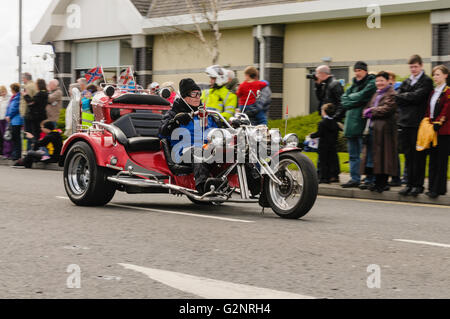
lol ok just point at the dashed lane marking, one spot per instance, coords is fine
(175, 213)
(423, 243)
(211, 288)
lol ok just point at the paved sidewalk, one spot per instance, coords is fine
(392, 195)
(51, 166)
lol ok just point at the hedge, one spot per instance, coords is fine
(303, 126)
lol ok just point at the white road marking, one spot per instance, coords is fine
(175, 213)
(110, 278)
(211, 288)
(423, 243)
(383, 201)
(183, 213)
(76, 247)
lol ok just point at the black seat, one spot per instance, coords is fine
(177, 169)
(141, 130)
(141, 99)
(140, 144)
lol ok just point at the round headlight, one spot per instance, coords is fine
(109, 90)
(275, 136)
(291, 140)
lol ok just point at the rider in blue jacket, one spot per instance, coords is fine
(184, 129)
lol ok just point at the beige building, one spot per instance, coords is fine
(292, 37)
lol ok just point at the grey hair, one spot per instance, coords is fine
(231, 74)
(27, 76)
(324, 69)
(82, 80)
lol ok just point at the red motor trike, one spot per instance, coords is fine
(122, 151)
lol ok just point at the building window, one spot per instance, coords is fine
(113, 56)
(443, 35)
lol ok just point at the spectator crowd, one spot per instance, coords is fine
(35, 107)
(382, 118)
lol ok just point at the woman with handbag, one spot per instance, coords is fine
(16, 121)
(438, 114)
(5, 146)
(381, 113)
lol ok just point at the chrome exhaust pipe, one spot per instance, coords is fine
(151, 183)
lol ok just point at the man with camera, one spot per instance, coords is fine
(328, 90)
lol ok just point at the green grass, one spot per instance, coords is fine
(303, 126)
(300, 125)
(345, 167)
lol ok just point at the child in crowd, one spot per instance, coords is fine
(247, 93)
(47, 149)
(327, 133)
(87, 98)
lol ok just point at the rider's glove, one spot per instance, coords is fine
(182, 118)
(236, 123)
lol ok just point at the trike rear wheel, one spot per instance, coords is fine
(85, 182)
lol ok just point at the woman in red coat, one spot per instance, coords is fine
(438, 112)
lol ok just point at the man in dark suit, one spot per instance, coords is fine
(412, 100)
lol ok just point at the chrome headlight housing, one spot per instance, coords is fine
(275, 136)
(219, 137)
(291, 140)
(259, 134)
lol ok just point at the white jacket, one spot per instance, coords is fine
(4, 101)
(74, 100)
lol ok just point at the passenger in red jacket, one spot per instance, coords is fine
(438, 112)
(247, 93)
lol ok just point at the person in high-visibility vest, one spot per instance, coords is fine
(87, 118)
(87, 114)
(219, 97)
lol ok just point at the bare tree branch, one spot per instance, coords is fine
(209, 10)
(203, 13)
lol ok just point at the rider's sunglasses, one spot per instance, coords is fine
(195, 94)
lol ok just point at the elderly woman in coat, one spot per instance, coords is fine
(380, 112)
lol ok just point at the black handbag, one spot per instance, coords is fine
(366, 133)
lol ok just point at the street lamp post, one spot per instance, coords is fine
(19, 48)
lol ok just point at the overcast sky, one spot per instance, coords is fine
(9, 39)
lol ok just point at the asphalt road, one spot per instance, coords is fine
(160, 246)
